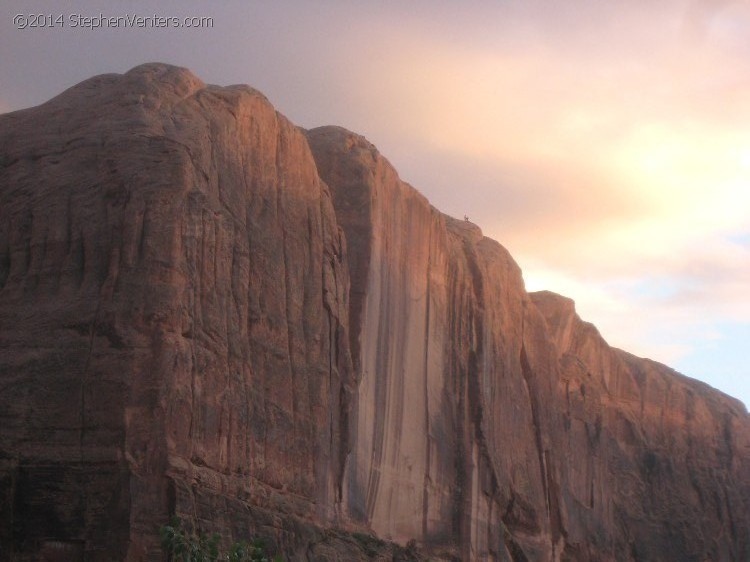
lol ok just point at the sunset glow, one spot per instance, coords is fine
(607, 146)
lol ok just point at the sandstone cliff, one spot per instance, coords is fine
(173, 315)
(537, 439)
(655, 464)
(206, 311)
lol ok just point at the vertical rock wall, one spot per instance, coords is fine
(193, 322)
(172, 320)
(653, 460)
(451, 426)
(494, 425)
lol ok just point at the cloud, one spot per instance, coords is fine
(604, 143)
(621, 163)
(608, 148)
(599, 132)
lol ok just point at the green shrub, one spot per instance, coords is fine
(190, 547)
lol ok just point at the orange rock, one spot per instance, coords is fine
(207, 311)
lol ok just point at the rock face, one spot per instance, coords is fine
(206, 311)
(173, 316)
(497, 421)
(655, 465)
(450, 426)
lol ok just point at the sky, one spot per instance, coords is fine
(605, 144)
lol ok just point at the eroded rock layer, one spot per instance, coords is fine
(206, 311)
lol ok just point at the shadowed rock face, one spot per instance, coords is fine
(206, 311)
(173, 315)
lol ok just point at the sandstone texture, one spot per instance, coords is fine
(206, 311)
(172, 314)
(655, 465)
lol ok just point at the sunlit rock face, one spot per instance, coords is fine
(450, 426)
(208, 312)
(498, 421)
(655, 465)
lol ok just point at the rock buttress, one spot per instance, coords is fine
(455, 403)
(489, 424)
(173, 319)
(656, 464)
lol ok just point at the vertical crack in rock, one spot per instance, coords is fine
(5, 263)
(381, 406)
(287, 281)
(426, 360)
(541, 453)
